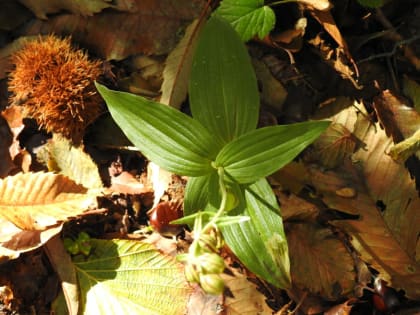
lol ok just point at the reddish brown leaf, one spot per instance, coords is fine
(151, 27)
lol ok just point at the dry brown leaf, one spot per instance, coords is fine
(385, 240)
(334, 146)
(85, 7)
(317, 4)
(126, 183)
(246, 300)
(63, 265)
(34, 201)
(33, 207)
(319, 261)
(178, 67)
(399, 120)
(153, 27)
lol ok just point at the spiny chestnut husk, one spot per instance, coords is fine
(55, 85)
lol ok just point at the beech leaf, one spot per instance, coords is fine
(386, 240)
(314, 261)
(130, 277)
(178, 66)
(61, 156)
(37, 200)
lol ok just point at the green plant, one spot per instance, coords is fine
(225, 156)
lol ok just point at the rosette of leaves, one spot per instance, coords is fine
(55, 85)
(221, 150)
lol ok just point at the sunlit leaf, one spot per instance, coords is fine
(261, 152)
(36, 200)
(169, 138)
(248, 17)
(131, 277)
(72, 162)
(223, 88)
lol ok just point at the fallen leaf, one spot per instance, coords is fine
(388, 240)
(34, 201)
(314, 254)
(178, 67)
(149, 28)
(62, 157)
(84, 7)
(399, 120)
(33, 207)
(317, 4)
(246, 298)
(130, 277)
(62, 264)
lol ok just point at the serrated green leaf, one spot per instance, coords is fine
(223, 87)
(248, 17)
(261, 243)
(169, 138)
(261, 152)
(130, 277)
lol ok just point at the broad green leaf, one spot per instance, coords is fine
(131, 277)
(196, 194)
(261, 152)
(248, 17)
(261, 243)
(169, 138)
(223, 88)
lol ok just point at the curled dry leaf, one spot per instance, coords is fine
(387, 240)
(33, 206)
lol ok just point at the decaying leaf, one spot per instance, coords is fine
(400, 121)
(149, 28)
(314, 256)
(131, 277)
(33, 207)
(317, 4)
(246, 298)
(84, 7)
(387, 240)
(334, 146)
(178, 67)
(61, 156)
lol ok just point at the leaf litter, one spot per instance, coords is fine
(346, 203)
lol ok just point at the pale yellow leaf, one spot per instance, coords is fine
(61, 156)
(37, 200)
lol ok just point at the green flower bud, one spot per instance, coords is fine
(208, 243)
(71, 246)
(191, 273)
(211, 263)
(212, 284)
(83, 237)
(85, 248)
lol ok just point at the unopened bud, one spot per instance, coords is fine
(191, 273)
(212, 283)
(211, 263)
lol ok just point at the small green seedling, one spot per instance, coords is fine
(225, 157)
